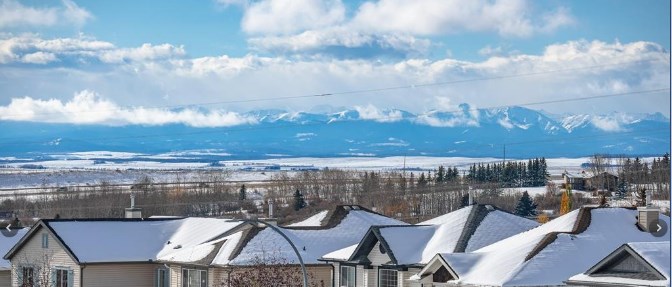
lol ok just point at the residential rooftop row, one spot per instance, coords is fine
(349, 245)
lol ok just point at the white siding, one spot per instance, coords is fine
(33, 254)
(376, 257)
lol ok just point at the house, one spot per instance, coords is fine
(8, 238)
(588, 182)
(544, 256)
(632, 264)
(108, 252)
(388, 255)
(602, 181)
(245, 248)
(575, 181)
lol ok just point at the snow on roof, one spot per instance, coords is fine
(315, 220)
(656, 253)
(341, 254)
(418, 244)
(312, 243)
(496, 226)
(7, 240)
(137, 241)
(504, 263)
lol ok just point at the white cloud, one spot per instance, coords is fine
(370, 112)
(630, 67)
(291, 16)
(30, 48)
(87, 107)
(14, 13)
(143, 53)
(606, 124)
(438, 17)
(396, 28)
(39, 58)
(321, 41)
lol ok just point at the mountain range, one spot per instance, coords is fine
(515, 132)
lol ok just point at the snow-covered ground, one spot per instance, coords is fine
(84, 168)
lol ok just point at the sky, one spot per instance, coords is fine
(158, 61)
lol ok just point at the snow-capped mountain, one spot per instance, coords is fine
(463, 131)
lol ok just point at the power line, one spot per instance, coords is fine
(416, 117)
(362, 91)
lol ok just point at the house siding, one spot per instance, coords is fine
(404, 278)
(175, 276)
(32, 253)
(376, 257)
(5, 278)
(104, 275)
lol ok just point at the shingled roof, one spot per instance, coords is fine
(551, 253)
(462, 230)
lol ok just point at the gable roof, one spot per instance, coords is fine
(128, 240)
(652, 258)
(344, 226)
(8, 239)
(577, 240)
(467, 229)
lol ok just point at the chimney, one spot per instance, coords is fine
(133, 212)
(647, 217)
(471, 197)
(270, 208)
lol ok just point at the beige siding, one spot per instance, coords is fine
(405, 279)
(5, 278)
(376, 257)
(33, 254)
(175, 276)
(104, 275)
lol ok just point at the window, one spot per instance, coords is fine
(26, 278)
(162, 277)
(45, 240)
(62, 277)
(387, 278)
(347, 276)
(194, 278)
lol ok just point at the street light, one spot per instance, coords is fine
(276, 229)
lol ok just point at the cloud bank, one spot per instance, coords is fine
(327, 27)
(165, 75)
(87, 107)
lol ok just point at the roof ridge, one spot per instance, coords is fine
(476, 216)
(583, 220)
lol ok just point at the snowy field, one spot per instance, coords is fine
(87, 168)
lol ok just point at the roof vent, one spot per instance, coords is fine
(489, 207)
(178, 246)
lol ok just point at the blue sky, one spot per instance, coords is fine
(69, 54)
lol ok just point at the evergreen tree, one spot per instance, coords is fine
(526, 206)
(299, 202)
(422, 181)
(441, 174)
(622, 188)
(241, 193)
